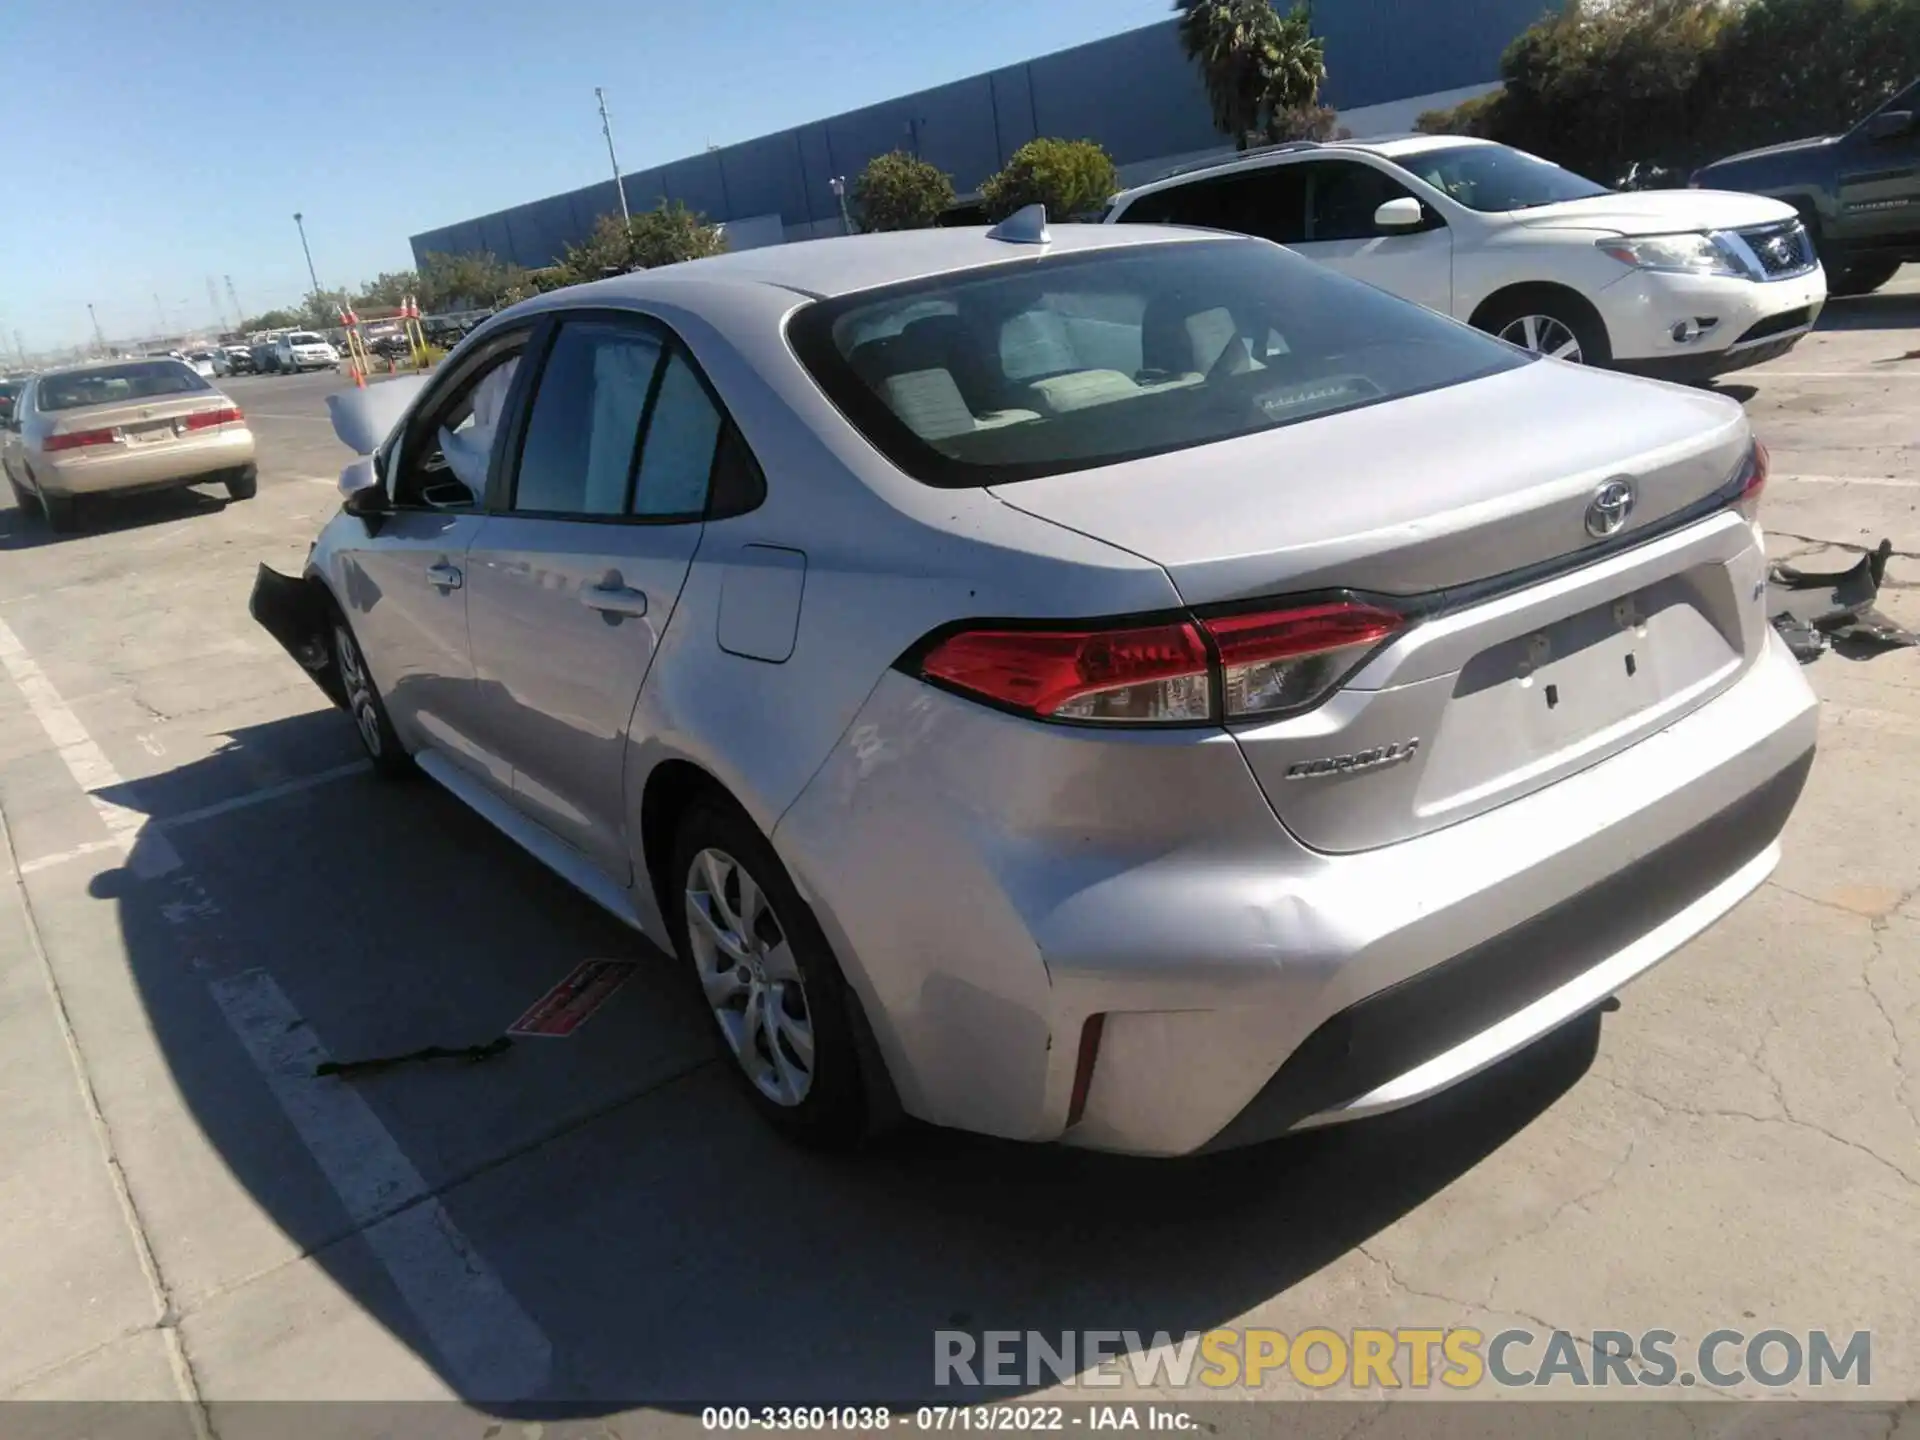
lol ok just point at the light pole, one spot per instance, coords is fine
(300, 221)
(606, 128)
(838, 184)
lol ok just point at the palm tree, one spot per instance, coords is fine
(1255, 63)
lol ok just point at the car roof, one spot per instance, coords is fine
(821, 269)
(1387, 148)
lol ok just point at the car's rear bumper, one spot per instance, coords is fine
(1750, 320)
(97, 470)
(990, 890)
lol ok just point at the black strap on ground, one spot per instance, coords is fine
(471, 1054)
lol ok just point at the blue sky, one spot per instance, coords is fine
(155, 145)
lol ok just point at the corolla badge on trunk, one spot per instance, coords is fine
(1609, 508)
(1374, 759)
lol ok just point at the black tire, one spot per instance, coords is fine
(367, 709)
(24, 499)
(1863, 277)
(831, 1114)
(244, 486)
(62, 513)
(1511, 313)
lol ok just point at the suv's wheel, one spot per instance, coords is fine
(369, 712)
(1549, 324)
(1861, 278)
(767, 976)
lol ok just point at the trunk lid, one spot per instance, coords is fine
(140, 422)
(1501, 689)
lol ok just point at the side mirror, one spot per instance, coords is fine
(1890, 125)
(360, 489)
(1402, 214)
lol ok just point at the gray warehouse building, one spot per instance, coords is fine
(1135, 93)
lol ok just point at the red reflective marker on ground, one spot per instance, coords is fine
(566, 1007)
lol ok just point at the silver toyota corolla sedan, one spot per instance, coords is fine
(1124, 686)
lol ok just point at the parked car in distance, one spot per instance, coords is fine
(1857, 193)
(1682, 285)
(1159, 692)
(210, 364)
(239, 359)
(9, 392)
(303, 350)
(266, 358)
(122, 426)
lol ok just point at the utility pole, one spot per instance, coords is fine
(301, 222)
(838, 184)
(213, 303)
(160, 310)
(20, 348)
(98, 338)
(239, 315)
(606, 128)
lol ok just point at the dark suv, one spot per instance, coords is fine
(1859, 193)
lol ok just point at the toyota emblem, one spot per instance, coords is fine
(1609, 508)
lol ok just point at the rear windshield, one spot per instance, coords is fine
(1065, 363)
(305, 340)
(136, 380)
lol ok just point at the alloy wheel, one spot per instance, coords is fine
(1544, 335)
(360, 701)
(750, 977)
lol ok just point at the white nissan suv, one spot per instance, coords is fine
(1680, 284)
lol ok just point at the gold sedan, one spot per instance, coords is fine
(122, 426)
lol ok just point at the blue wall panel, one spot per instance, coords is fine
(1384, 50)
(1136, 93)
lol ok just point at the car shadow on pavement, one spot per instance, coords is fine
(667, 1248)
(1899, 310)
(105, 515)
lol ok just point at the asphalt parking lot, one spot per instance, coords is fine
(213, 894)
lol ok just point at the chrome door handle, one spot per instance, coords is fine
(614, 599)
(447, 577)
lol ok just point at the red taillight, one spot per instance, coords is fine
(1753, 480)
(1257, 664)
(1083, 1068)
(75, 439)
(1155, 673)
(207, 419)
(1283, 659)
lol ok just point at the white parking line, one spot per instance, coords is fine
(1831, 375)
(492, 1346)
(489, 1344)
(265, 793)
(1889, 481)
(85, 761)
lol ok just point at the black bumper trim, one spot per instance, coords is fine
(1393, 1030)
(1687, 369)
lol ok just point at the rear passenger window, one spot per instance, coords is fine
(676, 459)
(578, 455)
(1270, 203)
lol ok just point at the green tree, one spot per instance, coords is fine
(898, 191)
(673, 233)
(1256, 63)
(1294, 66)
(321, 309)
(387, 289)
(271, 320)
(468, 282)
(1072, 178)
(664, 236)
